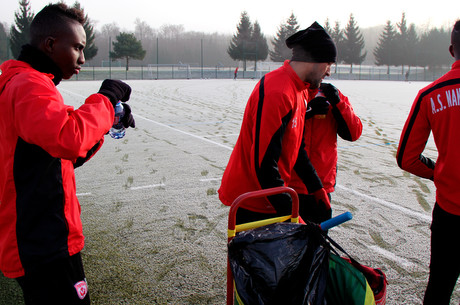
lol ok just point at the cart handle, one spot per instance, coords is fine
(260, 194)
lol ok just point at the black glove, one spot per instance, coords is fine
(127, 119)
(282, 203)
(115, 90)
(318, 105)
(331, 93)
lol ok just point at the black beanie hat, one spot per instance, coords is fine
(312, 45)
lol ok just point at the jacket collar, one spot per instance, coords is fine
(40, 62)
(456, 64)
(300, 84)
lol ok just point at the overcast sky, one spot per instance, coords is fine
(223, 16)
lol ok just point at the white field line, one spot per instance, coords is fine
(83, 194)
(134, 188)
(222, 135)
(404, 262)
(184, 132)
(388, 204)
(366, 145)
(210, 179)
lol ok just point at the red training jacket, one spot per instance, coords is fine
(269, 146)
(41, 139)
(321, 141)
(436, 109)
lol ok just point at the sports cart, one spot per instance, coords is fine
(282, 261)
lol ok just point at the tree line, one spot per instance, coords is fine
(399, 44)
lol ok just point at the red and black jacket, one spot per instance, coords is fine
(436, 109)
(42, 139)
(321, 141)
(270, 147)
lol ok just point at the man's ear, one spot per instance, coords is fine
(451, 50)
(48, 44)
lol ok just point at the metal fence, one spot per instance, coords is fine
(383, 73)
(156, 72)
(180, 71)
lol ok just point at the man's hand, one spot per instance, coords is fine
(317, 106)
(331, 93)
(322, 198)
(115, 90)
(127, 119)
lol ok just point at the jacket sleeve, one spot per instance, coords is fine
(305, 170)
(268, 173)
(349, 125)
(82, 160)
(42, 118)
(413, 141)
(273, 116)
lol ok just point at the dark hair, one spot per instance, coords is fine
(52, 19)
(455, 36)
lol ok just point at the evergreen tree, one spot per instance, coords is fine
(337, 36)
(412, 46)
(20, 34)
(240, 44)
(433, 48)
(127, 46)
(260, 44)
(327, 27)
(401, 43)
(353, 44)
(406, 44)
(385, 48)
(91, 48)
(3, 43)
(280, 51)
(292, 26)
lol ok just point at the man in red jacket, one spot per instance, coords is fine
(269, 148)
(329, 114)
(42, 141)
(436, 109)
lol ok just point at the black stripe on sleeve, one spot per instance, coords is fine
(342, 127)
(412, 119)
(258, 122)
(268, 173)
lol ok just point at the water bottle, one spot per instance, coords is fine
(118, 130)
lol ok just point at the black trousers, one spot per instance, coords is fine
(56, 283)
(444, 261)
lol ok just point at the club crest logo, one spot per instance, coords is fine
(82, 289)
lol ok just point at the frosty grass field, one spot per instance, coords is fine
(156, 230)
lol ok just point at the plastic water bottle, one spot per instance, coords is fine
(118, 130)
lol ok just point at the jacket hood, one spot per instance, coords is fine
(30, 57)
(10, 68)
